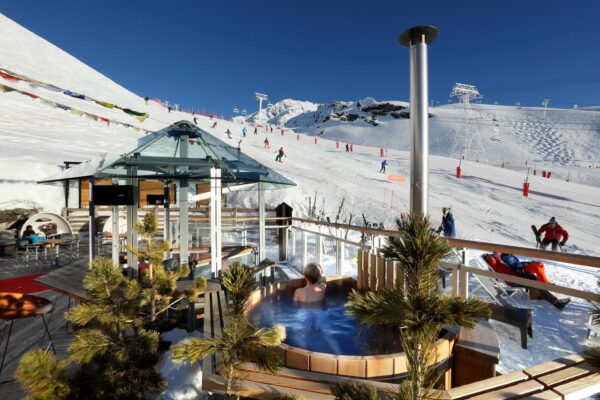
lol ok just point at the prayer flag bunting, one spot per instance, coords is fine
(105, 104)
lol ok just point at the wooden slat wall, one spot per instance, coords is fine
(376, 273)
(203, 188)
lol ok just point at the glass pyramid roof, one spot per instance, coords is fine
(181, 150)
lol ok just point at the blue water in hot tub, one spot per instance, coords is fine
(324, 327)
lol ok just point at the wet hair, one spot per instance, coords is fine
(313, 273)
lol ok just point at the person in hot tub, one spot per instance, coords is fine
(314, 290)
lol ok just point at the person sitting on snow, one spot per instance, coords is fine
(553, 234)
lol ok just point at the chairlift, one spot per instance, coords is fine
(236, 110)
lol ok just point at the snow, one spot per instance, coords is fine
(487, 202)
(184, 381)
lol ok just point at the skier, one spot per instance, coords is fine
(215, 124)
(553, 234)
(244, 131)
(383, 165)
(255, 130)
(146, 100)
(280, 155)
(228, 133)
(266, 142)
(347, 148)
(271, 129)
(351, 148)
(447, 225)
(196, 120)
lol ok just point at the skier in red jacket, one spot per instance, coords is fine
(553, 234)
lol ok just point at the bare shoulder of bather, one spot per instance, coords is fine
(314, 290)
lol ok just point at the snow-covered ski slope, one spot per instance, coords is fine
(509, 134)
(487, 201)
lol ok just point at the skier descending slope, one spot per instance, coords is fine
(280, 155)
(244, 131)
(383, 165)
(553, 234)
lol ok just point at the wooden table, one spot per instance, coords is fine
(14, 306)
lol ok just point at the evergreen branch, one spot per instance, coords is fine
(194, 350)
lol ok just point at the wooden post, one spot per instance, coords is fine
(373, 272)
(283, 211)
(359, 270)
(389, 271)
(380, 274)
(399, 274)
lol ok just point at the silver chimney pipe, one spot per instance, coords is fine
(417, 39)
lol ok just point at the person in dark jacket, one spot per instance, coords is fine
(447, 225)
(553, 234)
(383, 165)
(28, 232)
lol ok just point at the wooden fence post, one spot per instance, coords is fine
(389, 272)
(359, 270)
(373, 272)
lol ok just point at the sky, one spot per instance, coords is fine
(214, 55)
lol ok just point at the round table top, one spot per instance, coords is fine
(19, 305)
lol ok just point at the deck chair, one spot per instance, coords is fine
(503, 306)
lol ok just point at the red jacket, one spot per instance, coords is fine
(553, 231)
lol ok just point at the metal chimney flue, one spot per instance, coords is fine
(417, 39)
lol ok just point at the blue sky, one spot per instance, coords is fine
(214, 55)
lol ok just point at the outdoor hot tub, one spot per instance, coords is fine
(323, 339)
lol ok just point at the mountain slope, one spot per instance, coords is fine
(487, 202)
